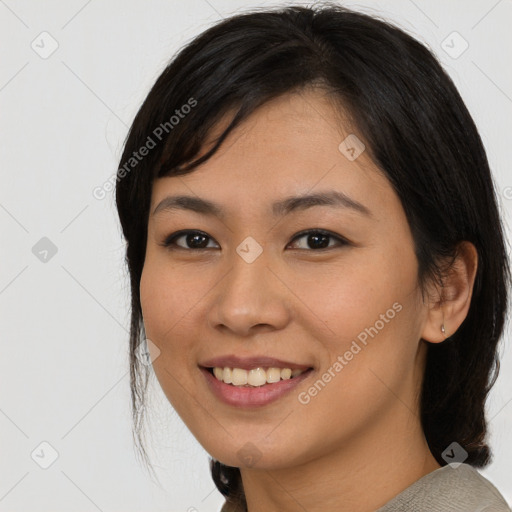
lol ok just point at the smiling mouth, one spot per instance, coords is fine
(256, 377)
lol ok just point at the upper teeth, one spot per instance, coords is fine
(254, 377)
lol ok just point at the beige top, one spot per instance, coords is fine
(457, 488)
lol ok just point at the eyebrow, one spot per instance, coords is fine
(279, 208)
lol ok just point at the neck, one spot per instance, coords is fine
(360, 476)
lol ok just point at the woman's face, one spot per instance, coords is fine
(250, 286)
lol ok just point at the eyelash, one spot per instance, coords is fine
(170, 244)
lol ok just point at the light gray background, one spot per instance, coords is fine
(64, 322)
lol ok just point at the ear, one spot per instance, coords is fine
(450, 305)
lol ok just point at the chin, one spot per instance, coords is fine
(251, 455)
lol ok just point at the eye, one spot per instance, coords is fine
(317, 239)
(193, 240)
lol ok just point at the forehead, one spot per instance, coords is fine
(293, 145)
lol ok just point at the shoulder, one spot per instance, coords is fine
(452, 488)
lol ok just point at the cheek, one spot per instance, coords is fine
(164, 308)
(172, 303)
(151, 305)
(350, 297)
(371, 305)
(164, 292)
(162, 302)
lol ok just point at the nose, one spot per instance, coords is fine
(250, 298)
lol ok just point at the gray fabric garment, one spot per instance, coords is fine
(449, 489)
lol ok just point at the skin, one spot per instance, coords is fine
(358, 442)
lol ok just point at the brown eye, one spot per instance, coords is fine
(193, 240)
(318, 239)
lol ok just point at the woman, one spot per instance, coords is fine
(318, 264)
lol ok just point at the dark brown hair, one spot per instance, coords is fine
(418, 132)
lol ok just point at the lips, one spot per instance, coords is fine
(238, 386)
(253, 397)
(249, 363)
